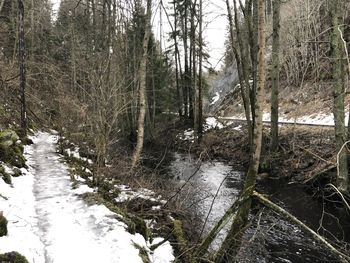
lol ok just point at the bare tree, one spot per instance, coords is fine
(275, 74)
(231, 244)
(338, 97)
(142, 88)
(22, 66)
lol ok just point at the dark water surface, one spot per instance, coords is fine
(270, 238)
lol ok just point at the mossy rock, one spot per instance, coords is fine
(27, 141)
(3, 226)
(13, 155)
(13, 257)
(11, 151)
(16, 172)
(8, 137)
(7, 178)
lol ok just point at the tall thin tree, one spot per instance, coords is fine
(231, 244)
(275, 74)
(22, 66)
(338, 100)
(142, 88)
(200, 73)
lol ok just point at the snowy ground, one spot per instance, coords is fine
(48, 222)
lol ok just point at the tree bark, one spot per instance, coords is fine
(142, 89)
(338, 100)
(275, 74)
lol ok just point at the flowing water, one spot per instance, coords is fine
(214, 186)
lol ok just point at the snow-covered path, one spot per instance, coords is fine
(63, 228)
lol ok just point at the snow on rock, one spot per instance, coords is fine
(127, 194)
(187, 135)
(48, 221)
(212, 123)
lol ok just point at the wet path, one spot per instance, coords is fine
(70, 230)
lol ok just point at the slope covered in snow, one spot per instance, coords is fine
(49, 222)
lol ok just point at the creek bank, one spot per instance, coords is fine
(304, 152)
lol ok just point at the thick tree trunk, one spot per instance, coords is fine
(231, 244)
(338, 101)
(275, 74)
(22, 66)
(142, 89)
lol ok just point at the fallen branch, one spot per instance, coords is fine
(341, 256)
(327, 167)
(341, 196)
(315, 155)
(4, 197)
(230, 213)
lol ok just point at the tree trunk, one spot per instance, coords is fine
(178, 93)
(245, 96)
(338, 101)
(193, 91)
(142, 89)
(231, 244)
(200, 74)
(187, 77)
(22, 66)
(275, 74)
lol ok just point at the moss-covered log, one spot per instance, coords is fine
(229, 214)
(181, 242)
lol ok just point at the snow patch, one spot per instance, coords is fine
(215, 98)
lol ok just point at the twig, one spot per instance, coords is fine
(211, 207)
(315, 155)
(345, 48)
(183, 186)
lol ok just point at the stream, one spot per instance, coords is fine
(270, 238)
